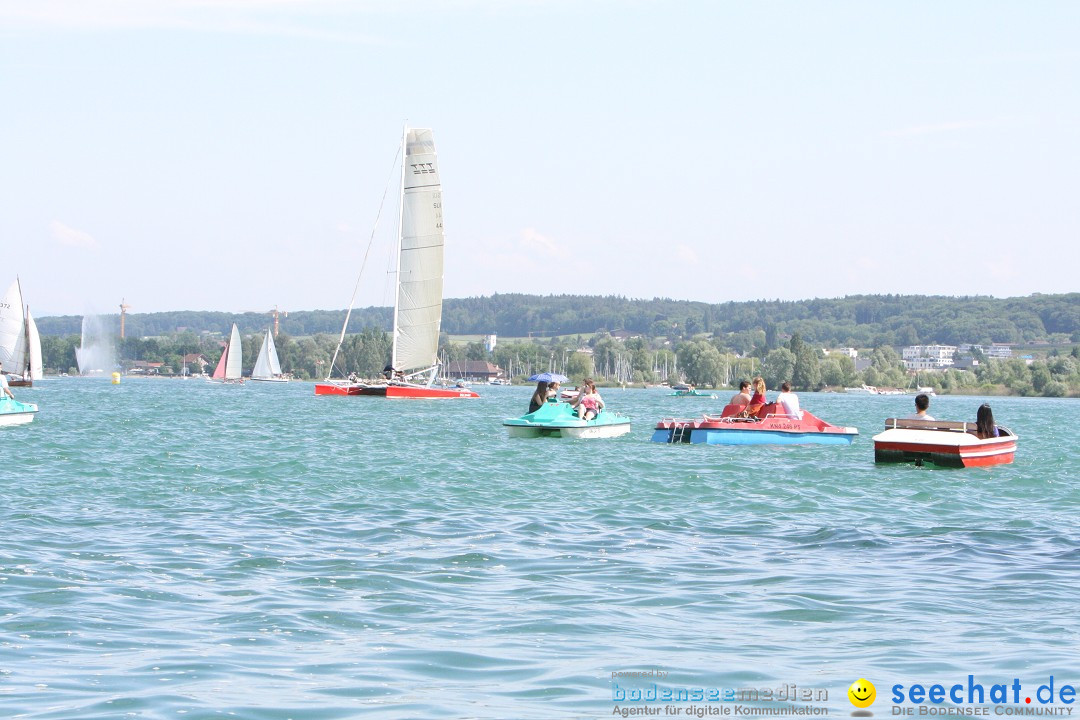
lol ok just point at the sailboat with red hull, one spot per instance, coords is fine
(418, 302)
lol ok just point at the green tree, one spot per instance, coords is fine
(580, 365)
(701, 363)
(831, 372)
(777, 367)
(807, 372)
(1055, 388)
(771, 336)
(847, 368)
(476, 351)
(1040, 376)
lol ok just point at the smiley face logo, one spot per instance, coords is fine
(862, 693)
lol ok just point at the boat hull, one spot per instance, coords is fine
(395, 392)
(269, 380)
(726, 436)
(943, 448)
(13, 412)
(576, 433)
(770, 430)
(561, 421)
(337, 388)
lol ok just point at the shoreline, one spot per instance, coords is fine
(998, 391)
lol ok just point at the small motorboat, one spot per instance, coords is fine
(941, 442)
(561, 420)
(771, 427)
(13, 412)
(690, 392)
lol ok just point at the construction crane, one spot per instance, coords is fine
(275, 312)
(124, 307)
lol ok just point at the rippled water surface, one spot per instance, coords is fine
(175, 549)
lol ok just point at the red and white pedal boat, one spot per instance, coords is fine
(944, 443)
(773, 427)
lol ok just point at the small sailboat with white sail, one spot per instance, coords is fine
(414, 364)
(232, 361)
(267, 367)
(20, 343)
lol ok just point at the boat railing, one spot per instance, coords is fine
(729, 418)
(786, 416)
(951, 425)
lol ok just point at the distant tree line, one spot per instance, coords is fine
(856, 321)
(711, 350)
(705, 361)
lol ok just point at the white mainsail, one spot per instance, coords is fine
(418, 308)
(234, 363)
(267, 365)
(271, 352)
(13, 331)
(34, 339)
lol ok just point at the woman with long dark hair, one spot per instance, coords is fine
(539, 397)
(984, 423)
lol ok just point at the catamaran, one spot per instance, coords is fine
(414, 362)
(232, 360)
(20, 343)
(267, 367)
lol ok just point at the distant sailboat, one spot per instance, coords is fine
(33, 339)
(20, 343)
(232, 360)
(267, 367)
(419, 280)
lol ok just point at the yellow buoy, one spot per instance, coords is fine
(116, 378)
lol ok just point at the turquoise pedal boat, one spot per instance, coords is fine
(561, 420)
(13, 412)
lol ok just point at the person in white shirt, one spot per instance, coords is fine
(5, 389)
(922, 404)
(789, 401)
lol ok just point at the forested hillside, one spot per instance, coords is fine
(860, 320)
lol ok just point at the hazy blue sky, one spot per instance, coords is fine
(231, 154)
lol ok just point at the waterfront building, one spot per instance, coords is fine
(928, 357)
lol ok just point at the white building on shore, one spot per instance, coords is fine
(928, 357)
(993, 351)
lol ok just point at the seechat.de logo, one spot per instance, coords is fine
(862, 694)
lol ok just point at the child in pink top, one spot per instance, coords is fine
(588, 402)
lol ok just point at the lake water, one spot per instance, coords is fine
(175, 549)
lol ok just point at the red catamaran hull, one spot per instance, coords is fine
(408, 392)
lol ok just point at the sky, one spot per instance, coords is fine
(233, 154)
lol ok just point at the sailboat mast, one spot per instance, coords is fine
(397, 271)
